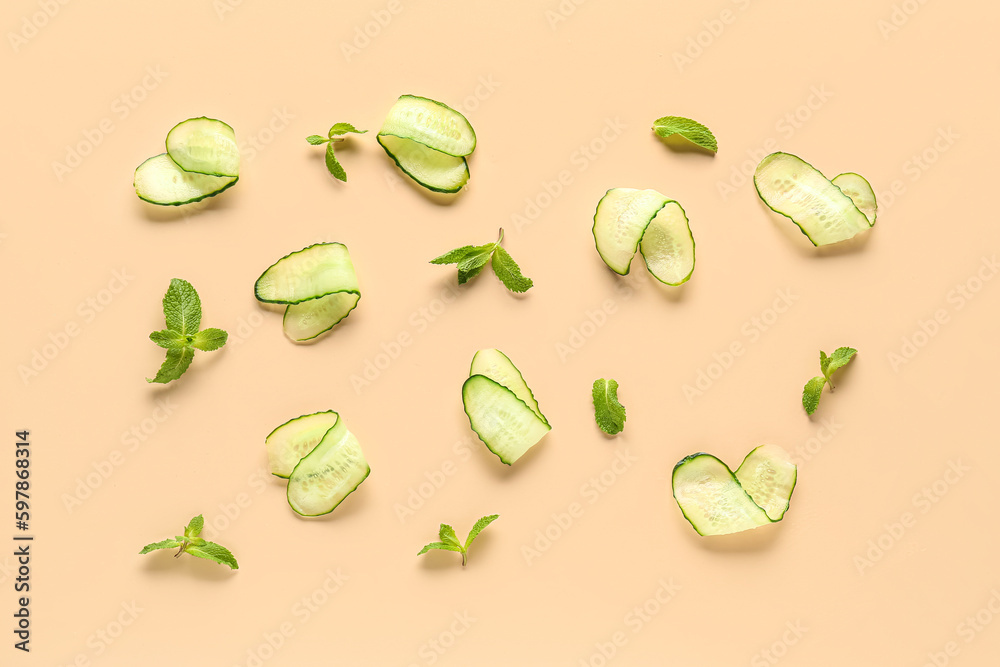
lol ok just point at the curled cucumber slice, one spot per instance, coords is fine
(794, 188)
(290, 442)
(717, 501)
(160, 181)
(627, 220)
(319, 286)
(330, 472)
(204, 146)
(861, 193)
(429, 141)
(501, 408)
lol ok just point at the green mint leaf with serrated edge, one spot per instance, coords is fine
(474, 262)
(182, 314)
(509, 273)
(840, 358)
(478, 528)
(691, 130)
(168, 339)
(194, 526)
(454, 256)
(165, 544)
(214, 552)
(608, 412)
(333, 166)
(344, 128)
(316, 140)
(449, 541)
(177, 361)
(824, 363)
(182, 307)
(190, 543)
(811, 393)
(209, 339)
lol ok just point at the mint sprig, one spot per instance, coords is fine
(472, 259)
(691, 130)
(608, 412)
(827, 364)
(449, 540)
(332, 137)
(182, 313)
(191, 543)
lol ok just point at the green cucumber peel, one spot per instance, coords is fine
(183, 335)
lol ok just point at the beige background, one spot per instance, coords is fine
(537, 90)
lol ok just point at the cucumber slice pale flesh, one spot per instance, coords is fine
(861, 193)
(430, 168)
(310, 273)
(290, 442)
(204, 146)
(794, 188)
(308, 319)
(328, 474)
(430, 123)
(497, 366)
(504, 422)
(160, 181)
(711, 498)
(627, 220)
(768, 476)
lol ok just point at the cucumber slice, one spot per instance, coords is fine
(160, 181)
(797, 190)
(668, 245)
(310, 273)
(327, 474)
(204, 146)
(498, 367)
(502, 421)
(711, 498)
(768, 477)
(432, 169)
(861, 193)
(287, 444)
(307, 320)
(430, 123)
(627, 220)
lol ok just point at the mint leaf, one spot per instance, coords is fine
(474, 262)
(165, 544)
(316, 140)
(168, 338)
(509, 273)
(478, 528)
(447, 535)
(344, 128)
(824, 363)
(811, 393)
(333, 166)
(214, 552)
(608, 412)
(454, 256)
(439, 545)
(209, 339)
(182, 307)
(177, 361)
(194, 526)
(691, 130)
(840, 358)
